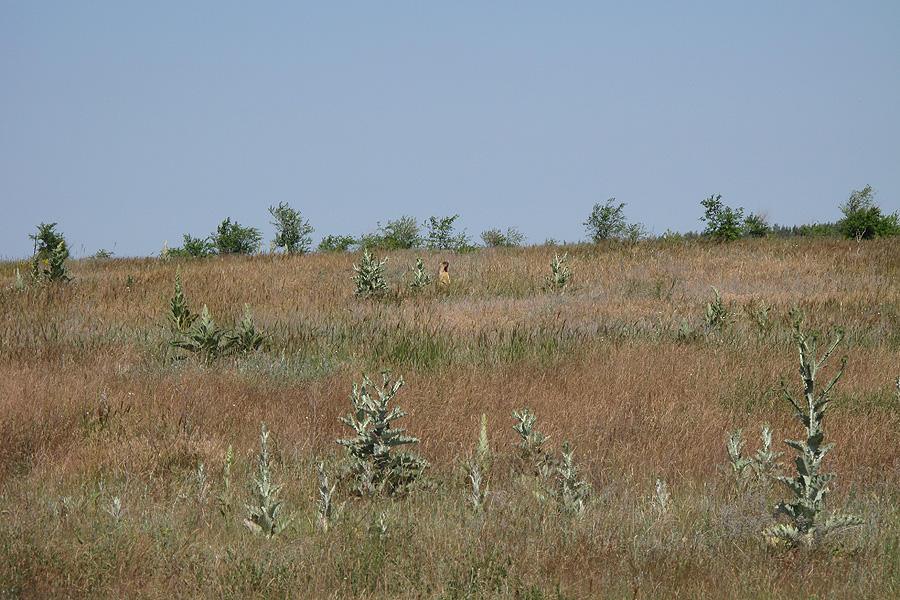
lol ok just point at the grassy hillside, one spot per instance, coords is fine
(113, 444)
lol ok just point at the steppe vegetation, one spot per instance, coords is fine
(576, 438)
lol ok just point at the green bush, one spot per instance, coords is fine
(400, 234)
(723, 223)
(336, 243)
(46, 240)
(232, 238)
(291, 229)
(441, 235)
(755, 225)
(494, 238)
(863, 218)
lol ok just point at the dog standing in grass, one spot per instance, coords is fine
(445, 274)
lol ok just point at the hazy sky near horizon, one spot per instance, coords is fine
(132, 123)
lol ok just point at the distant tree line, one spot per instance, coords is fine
(863, 220)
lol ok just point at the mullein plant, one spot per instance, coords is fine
(716, 316)
(532, 440)
(180, 315)
(478, 470)
(205, 338)
(369, 278)
(804, 518)
(559, 273)
(372, 467)
(264, 515)
(325, 509)
(56, 265)
(570, 493)
(421, 278)
(751, 472)
(245, 339)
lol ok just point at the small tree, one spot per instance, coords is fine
(863, 219)
(441, 235)
(56, 265)
(494, 238)
(606, 221)
(291, 229)
(400, 234)
(336, 243)
(755, 225)
(232, 238)
(723, 223)
(46, 240)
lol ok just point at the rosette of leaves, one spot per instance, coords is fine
(806, 521)
(373, 466)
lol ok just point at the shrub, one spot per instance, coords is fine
(723, 223)
(291, 229)
(336, 243)
(372, 468)
(806, 522)
(755, 225)
(400, 234)
(441, 235)
(819, 230)
(232, 238)
(369, 278)
(606, 221)
(494, 238)
(197, 247)
(863, 219)
(46, 240)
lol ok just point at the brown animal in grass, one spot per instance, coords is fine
(445, 274)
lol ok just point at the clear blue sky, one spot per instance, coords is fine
(132, 123)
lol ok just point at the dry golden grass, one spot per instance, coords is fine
(622, 365)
